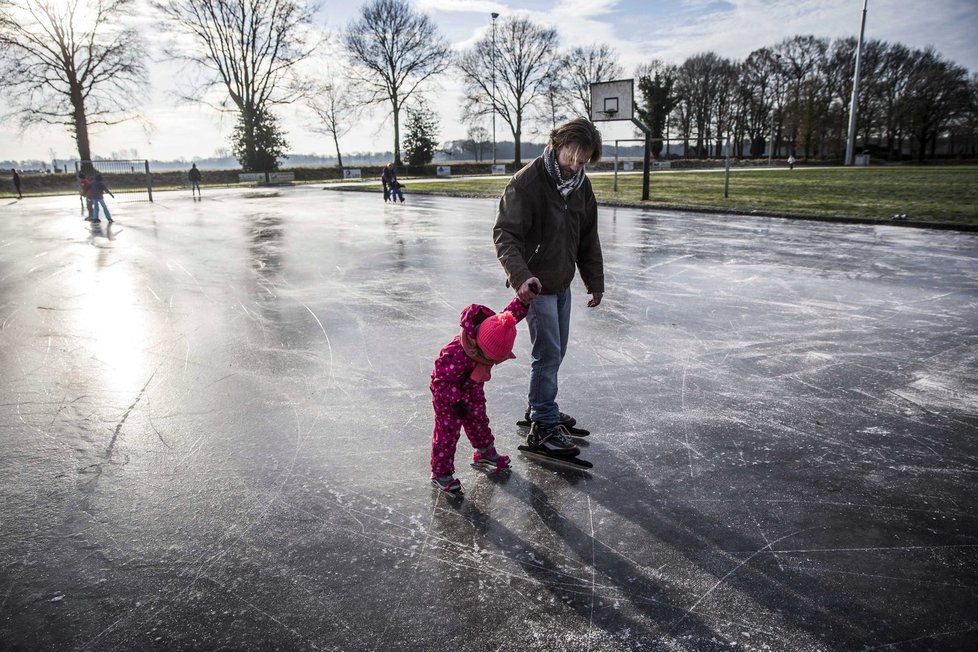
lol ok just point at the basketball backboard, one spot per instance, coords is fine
(613, 100)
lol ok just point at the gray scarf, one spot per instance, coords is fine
(553, 169)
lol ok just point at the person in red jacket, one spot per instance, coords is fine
(85, 194)
(457, 394)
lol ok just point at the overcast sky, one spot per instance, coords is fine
(639, 30)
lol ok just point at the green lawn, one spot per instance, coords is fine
(925, 193)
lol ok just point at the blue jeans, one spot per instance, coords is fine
(549, 325)
(95, 204)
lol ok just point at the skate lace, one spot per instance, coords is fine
(558, 434)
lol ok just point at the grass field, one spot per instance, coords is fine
(946, 194)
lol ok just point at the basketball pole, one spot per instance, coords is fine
(647, 163)
(622, 88)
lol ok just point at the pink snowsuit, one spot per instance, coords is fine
(454, 392)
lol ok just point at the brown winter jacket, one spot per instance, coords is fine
(538, 233)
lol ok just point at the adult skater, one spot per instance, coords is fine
(97, 190)
(547, 224)
(392, 187)
(194, 176)
(457, 394)
(20, 195)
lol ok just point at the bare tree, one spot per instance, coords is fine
(656, 99)
(72, 63)
(525, 59)
(557, 105)
(336, 108)
(802, 61)
(394, 50)
(589, 65)
(703, 85)
(479, 136)
(250, 48)
(940, 94)
(756, 95)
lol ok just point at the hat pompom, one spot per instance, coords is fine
(507, 320)
(497, 335)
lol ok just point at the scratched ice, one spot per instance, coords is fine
(215, 430)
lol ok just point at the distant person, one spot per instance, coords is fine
(85, 195)
(194, 176)
(20, 195)
(97, 189)
(546, 230)
(392, 187)
(791, 162)
(461, 370)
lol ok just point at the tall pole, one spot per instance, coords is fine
(854, 103)
(494, 17)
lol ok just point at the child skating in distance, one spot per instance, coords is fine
(457, 393)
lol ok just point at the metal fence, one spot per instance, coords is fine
(128, 180)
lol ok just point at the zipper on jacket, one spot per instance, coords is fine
(535, 252)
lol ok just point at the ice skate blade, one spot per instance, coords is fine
(458, 495)
(573, 431)
(490, 468)
(563, 460)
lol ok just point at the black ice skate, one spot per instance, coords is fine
(549, 441)
(569, 423)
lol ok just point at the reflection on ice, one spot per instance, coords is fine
(216, 431)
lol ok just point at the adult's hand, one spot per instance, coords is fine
(530, 288)
(595, 299)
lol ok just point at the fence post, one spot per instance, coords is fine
(149, 181)
(726, 172)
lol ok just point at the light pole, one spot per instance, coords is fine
(854, 103)
(494, 17)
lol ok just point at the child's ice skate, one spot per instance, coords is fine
(490, 460)
(449, 484)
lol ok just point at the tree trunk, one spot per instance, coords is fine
(397, 137)
(339, 157)
(80, 124)
(517, 142)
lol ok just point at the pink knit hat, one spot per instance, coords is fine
(496, 336)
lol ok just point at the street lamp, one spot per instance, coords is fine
(854, 102)
(494, 17)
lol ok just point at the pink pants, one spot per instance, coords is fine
(448, 427)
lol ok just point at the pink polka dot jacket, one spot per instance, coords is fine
(458, 400)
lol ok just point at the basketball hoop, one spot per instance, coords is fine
(612, 100)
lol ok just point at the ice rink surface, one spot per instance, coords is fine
(215, 427)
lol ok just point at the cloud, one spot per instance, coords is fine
(638, 30)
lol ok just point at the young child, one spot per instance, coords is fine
(457, 394)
